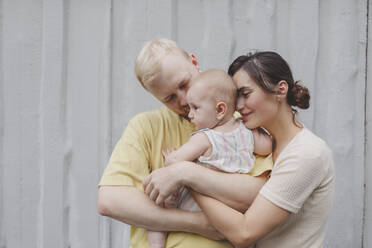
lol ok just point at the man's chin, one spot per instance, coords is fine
(186, 117)
(183, 114)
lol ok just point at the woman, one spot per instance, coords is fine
(292, 207)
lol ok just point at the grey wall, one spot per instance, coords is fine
(67, 90)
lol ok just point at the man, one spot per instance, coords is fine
(165, 70)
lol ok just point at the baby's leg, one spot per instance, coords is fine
(156, 239)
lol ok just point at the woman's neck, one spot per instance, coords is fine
(283, 129)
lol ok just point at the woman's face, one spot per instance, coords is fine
(258, 108)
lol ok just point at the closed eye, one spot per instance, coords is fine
(244, 92)
(169, 98)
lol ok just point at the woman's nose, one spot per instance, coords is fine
(239, 104)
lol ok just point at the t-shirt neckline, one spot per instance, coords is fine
(290, 142)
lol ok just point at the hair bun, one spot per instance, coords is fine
(299, 96)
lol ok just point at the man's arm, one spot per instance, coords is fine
(129, 205)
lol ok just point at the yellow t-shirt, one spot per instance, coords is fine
(138, 152)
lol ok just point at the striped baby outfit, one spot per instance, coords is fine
(231, 152)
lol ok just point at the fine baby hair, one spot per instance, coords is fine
(219, 86)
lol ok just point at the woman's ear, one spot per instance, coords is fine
(282, 90)
(194, 61)
(221, 109)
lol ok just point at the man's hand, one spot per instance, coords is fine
(161, 183)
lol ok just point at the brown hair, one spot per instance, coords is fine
(267, 69)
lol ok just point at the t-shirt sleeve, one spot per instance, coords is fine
(261, 165)
(293, 180)
(129, 161)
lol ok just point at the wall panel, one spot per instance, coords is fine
(21, 65)
(68, 89)
(367, 227)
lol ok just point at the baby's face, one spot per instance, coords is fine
(203, 111)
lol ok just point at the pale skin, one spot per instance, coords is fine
(171, 88)
(257, 109)
(205, 112)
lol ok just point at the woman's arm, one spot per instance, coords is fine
(242, 229)
(235, 190)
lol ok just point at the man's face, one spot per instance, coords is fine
(173, 82)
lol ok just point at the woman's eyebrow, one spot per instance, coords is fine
(243, 88)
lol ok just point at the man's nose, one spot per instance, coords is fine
(182, 97)
(191, 114)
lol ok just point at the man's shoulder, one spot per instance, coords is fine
(159, 114)
(158, 119)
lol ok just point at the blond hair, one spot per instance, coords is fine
(219, 86)
(147, 65)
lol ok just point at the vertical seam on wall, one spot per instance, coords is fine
(174, 20)
(233, 32)
(109, 148)
(365, 127)
(2, 226)
(67, 153)
(40, 217)
(316, 72)
(105, 114)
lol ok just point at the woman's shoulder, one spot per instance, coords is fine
(307, 154)
(308, 147)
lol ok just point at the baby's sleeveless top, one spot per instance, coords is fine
(231, 151)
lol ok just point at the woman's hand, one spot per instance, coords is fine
(206, 229)
(163, 182)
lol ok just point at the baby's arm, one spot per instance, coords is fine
(263, 144)
(197, 145)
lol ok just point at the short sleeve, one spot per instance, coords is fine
(293, 180)
(129, 162)
(262, 164)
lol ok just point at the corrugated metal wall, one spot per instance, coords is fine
(67, 90)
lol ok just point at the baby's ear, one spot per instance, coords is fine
(221, 109)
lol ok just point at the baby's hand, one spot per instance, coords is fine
(168, 158)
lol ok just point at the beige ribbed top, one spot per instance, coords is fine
(302, 183)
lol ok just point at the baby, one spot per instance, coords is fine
(221, 141)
